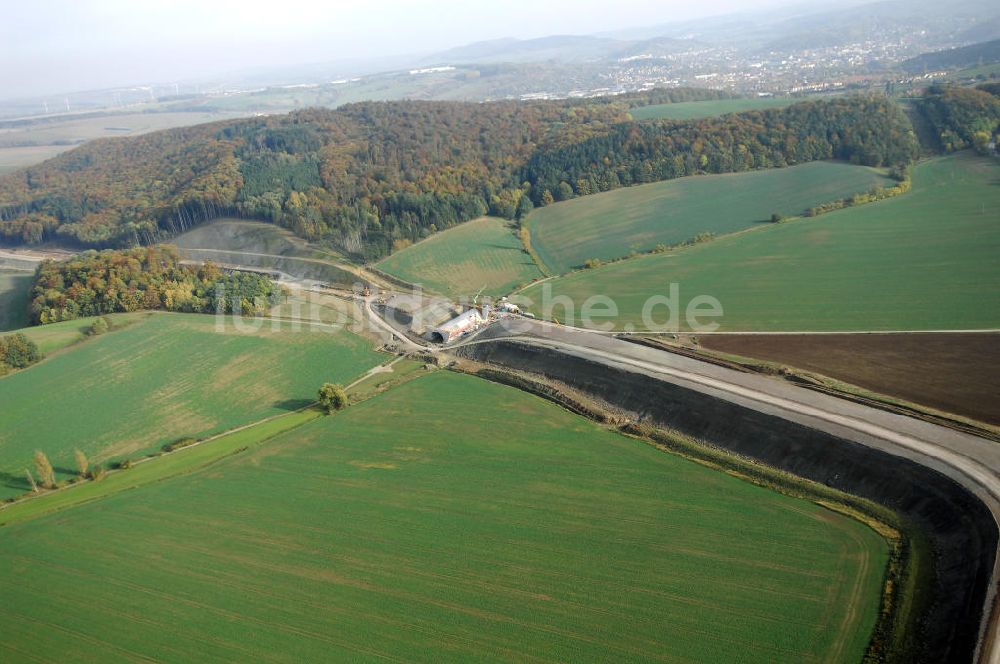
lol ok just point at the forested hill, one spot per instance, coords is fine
(962, 117)
(369, 176)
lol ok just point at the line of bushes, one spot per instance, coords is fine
(872, 196)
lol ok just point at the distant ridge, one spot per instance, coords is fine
(565, 48)
(954, 58)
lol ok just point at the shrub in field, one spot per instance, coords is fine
(99, 326)
(178, 444)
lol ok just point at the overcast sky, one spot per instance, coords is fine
(49, 46)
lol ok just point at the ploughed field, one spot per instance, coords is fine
(164, 377)
(612, 224)
(15, 286)
(693, 110)
(447, 519)
(461, 260)
(955, 373)
(925, 260)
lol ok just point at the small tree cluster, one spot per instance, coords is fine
(17, 352)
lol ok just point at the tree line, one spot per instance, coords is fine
(46, 474)
(144, 278)
(368, 177)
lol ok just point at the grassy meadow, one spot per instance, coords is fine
(15, 287)
(611, 224)
(57, 336)
(162, 378)
(923, 261)
(530, 534)
(693, 110)
(463, 259)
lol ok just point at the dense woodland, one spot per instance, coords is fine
(97, 283)
(963, 117)
(371, 176)
(864, 130)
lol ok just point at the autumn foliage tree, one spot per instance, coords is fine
(98, 283)
(44, 470)
(82, 464)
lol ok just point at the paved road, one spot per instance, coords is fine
(973, 462)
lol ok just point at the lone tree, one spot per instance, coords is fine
(332, 397)
(81, 463)
(31, 481)
(44, 470)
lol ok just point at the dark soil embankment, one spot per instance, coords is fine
(954, 373)
(959, 527)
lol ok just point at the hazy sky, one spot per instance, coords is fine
(51, 46)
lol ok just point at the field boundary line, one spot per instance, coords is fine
(164, 454)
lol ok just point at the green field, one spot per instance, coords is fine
(612, 224)
(57, 336)
(693, 110)
(165, 377)
(463, 259)
(150, 470)
(533, 535)
(14, 294)
(923, 261)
